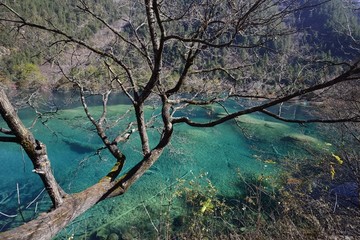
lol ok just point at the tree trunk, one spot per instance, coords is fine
(33, 148)
(47, 225)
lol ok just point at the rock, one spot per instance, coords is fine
(4, 51)
(112, 236)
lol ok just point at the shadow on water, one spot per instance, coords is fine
(79, 147)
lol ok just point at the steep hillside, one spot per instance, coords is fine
(333, 27)
(331, 30)
(25, 52)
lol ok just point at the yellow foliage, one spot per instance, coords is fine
(332, 171)
(337, 158)
(206, 206)
(270, 161)
(29, 75)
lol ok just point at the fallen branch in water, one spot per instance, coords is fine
(35, 198)
(7, 215)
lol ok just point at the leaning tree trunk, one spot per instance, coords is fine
(47, 225)
(33, 148)
(66, 207)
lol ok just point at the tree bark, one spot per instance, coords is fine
(34, 149)
(69, 206)
(47, 225)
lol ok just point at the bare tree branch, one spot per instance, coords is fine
(346, 76)
(337, 120)
(6, 131)
(34, 149)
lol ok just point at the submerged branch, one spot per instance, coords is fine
(336, 120)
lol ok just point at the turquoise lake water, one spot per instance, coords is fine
(252, 145)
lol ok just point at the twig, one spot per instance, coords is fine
(6, 215)
(18, 196)
(18, 193)
(35, 198)
(23, 159)
(336, 203)
(152, 223)
(275, 150)
(6, 131)
(152, 197)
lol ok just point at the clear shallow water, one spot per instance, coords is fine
(252, 145)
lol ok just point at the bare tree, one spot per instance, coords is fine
(162, 50)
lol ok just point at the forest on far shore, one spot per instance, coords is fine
(27, 63)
